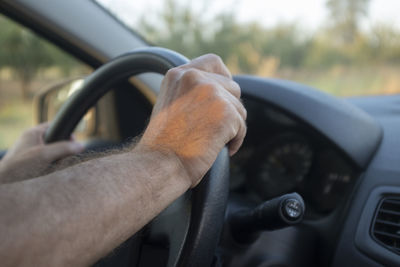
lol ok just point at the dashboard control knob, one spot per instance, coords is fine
(292, 209)
(277, 213)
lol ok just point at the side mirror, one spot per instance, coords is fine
(49, 100)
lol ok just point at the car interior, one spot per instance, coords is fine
(316, 182)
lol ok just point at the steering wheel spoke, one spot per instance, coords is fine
(170, 228)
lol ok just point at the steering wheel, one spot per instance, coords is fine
(190, 227)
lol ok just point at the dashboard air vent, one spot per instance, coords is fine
(386, 224)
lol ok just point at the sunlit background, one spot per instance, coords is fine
(344, 47)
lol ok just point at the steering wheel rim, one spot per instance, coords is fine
(204, 219)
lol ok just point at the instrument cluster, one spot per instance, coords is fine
(281, 155)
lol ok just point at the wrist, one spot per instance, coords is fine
(165, 159)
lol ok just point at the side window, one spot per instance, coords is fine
(28, 65)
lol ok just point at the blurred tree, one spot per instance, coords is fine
(384, 43)
(23, 52)
(26, 55)
(244, 47)
(323, 55)
(345, 17)
(285, 42)
(179, 27)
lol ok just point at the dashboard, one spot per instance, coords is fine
(282, 155)
(341, 155)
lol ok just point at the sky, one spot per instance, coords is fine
(309, 14)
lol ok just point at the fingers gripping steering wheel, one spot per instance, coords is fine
(190, 227)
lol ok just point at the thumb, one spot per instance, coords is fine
(59, 150)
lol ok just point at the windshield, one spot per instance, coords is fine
(344, 47)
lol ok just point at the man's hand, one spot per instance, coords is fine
(76, 215)
(197, 112)
(30, 156)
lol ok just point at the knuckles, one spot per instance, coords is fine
(244, 112)
(218, 63)
(191, 76)
(187, 77)
(214, 59)
(225, 107)
(173, 74)
(236, 88)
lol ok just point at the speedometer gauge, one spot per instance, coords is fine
(330, 181)
(282, 165)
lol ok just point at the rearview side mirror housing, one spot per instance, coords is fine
(49, 100)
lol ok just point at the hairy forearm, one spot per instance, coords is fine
(11, 171)
(76, 215)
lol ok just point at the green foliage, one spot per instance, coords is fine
(284, 42)
(384, 44)
(252, 48)
(245, 47)
(22, 52)
(345, 17)
(26, 54)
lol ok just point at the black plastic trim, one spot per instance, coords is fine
(52, 36)
(364, 239)
(124, 25)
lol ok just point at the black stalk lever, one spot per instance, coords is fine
(277, 213)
